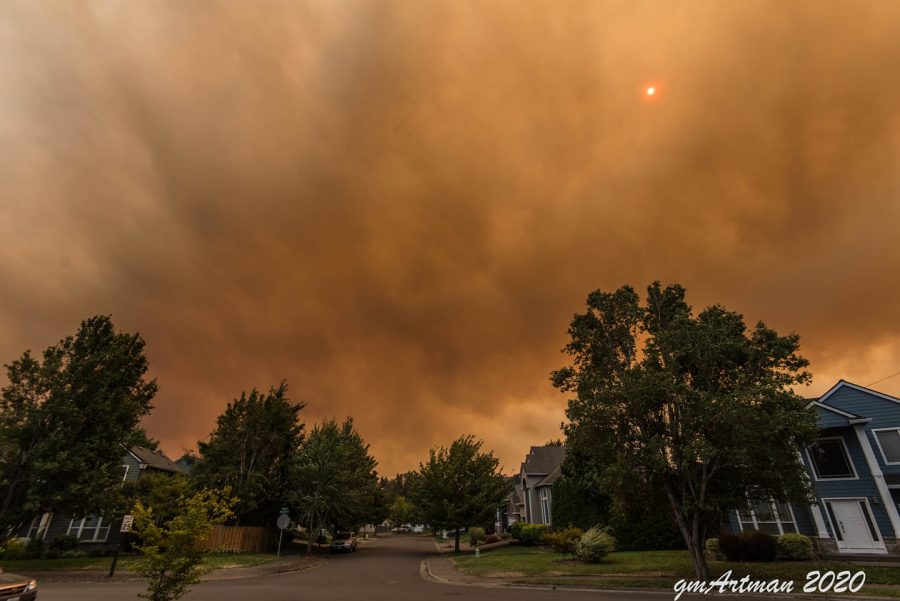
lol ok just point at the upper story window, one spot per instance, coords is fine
(889, 443)
(830, 459)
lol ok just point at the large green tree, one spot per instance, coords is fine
(334, 479)
(251, 451)
(697, 406)
(459, 486)
(64, 419)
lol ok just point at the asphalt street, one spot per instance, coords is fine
(387, 569)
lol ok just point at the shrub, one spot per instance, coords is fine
(533, 534)
(748, 546)
(476, 535)
(712, 549)
(35, 548)
(794, 547)
(565, 540)
(594, 545)
(64, 542)
(14, 549)
(515, 530)
(73, 554)
(492, 538)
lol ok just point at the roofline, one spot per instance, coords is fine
(842, 383)
(850, 416)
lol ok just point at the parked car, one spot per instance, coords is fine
(343, 542)
(15, 587)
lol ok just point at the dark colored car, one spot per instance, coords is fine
(343, 542)
(17, 588)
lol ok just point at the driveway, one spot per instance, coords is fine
(386, 569)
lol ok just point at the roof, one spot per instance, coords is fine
(551, 477)
(846, 384)
(155, 460)
(541, 461)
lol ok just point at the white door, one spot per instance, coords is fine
(853, 525)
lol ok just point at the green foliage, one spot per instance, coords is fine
(565, 540)
(157, 491)
(577, 504)
(531, 534)
(334, 478)
(171, 546)
(15, 548)
(794, 547)
(403, 512)
(712, 549)
(64, 542)
(476, 535)
(35, 547)
(64, 418)
(594, 545)
(459, 486)
(251, 451)
(748, 546)
(696, 406)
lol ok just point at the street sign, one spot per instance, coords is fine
(283, 521)
(127, 522)
(284, 511)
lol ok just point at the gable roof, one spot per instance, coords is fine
(541, 461)
(845, 384)
(155, 460)
(551, 477)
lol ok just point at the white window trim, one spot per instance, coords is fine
(779, 520)
(544, 498)
(80, 529)
(847, 455)
(125, 475)
(842, 545)
(880, 448)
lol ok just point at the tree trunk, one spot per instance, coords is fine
(457, 539)
(690, 535)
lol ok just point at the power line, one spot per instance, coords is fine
(883, 379)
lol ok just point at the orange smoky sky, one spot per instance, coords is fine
(398, 205)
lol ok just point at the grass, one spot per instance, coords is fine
(212, 561)
(463, 539)
(651, 569)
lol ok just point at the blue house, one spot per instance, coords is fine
(854, 467)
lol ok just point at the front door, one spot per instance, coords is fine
(855, 526)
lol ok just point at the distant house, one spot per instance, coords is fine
(541, 468)
(186, 462)
(854, 467)
(99, 530)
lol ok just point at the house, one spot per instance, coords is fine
(854, 467)
(541, 468)
(99, 530)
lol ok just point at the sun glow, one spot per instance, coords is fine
(651, 91)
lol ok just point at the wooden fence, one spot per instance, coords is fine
(238, 539)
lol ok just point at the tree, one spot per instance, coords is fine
(403, 512)
(459, 486)
(381, 504)
(160, 492)
(172, 549)
(696, 406)
(334, 479)
(64, 418)
(251, 451)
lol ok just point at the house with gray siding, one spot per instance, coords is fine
(854, 468)
(100, 530)
(541, 468)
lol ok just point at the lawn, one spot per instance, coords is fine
(653, 569)
(212, 561)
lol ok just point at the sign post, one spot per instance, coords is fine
(127, 523)
(282, 522)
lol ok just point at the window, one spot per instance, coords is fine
(771, 517)
(90, 529)
(895, 495)
(889, 443)
(545, 504)
(830, 459)
(38, 526)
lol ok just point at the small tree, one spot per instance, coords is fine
(459, 486)
(402, 512)
(172, 548)
(694, 406)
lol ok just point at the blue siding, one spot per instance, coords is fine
(830, 419)
(884, 414)
(805, 523)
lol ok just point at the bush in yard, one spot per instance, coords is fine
(64, 542)
(794, 547)
(748, 546)
(172, 548)
(73, 554)
(491, 538)
(14, 549)
(712, 549)
(515, 530)
(533, 534)
(565, 540)
(594, 545)
(476, 536)
(35, 548)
